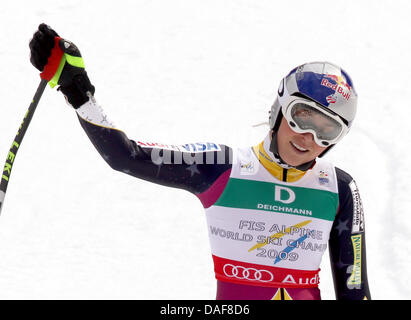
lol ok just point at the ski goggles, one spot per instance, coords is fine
(307, 116)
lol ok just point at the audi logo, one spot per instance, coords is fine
(240, 272)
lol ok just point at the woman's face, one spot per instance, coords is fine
(296, 148)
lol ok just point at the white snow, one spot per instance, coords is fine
(178, 72)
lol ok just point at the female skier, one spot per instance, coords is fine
(271, 209)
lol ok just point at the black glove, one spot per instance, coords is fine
(41, 45)
(61, 64)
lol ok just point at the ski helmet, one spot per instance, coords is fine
(327, 87)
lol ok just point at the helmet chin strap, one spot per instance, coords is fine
(281, 162)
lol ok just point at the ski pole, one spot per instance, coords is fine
(11, 156)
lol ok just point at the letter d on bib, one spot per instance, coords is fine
(278, 191)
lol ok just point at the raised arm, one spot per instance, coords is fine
(194, 167)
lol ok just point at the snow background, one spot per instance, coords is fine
(179, 72)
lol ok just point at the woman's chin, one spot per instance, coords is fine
(293, 159)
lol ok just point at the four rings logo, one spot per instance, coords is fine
(240, 272)
(262, 275)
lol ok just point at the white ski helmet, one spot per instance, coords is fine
(324, 84)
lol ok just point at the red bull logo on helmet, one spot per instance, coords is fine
(338, 84)
(338, 79)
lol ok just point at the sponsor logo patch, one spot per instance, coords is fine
(189, 147)
(355, 278)
(338, 84)
(323, 178)
(247, 167)
(358, 212)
